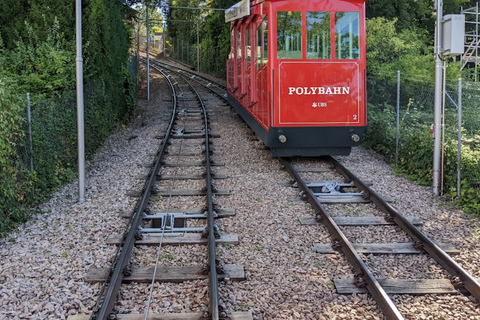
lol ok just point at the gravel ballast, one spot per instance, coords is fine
(44, 262)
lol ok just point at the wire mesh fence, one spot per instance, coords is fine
(51, 148)
(49, 144)
(38, 141)
(412, 147)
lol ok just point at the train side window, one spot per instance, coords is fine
(265, 40)
(259, 47)
(289, 35)
(232, 45)
(318, 35)
(347, 35)
(249, 46)
(239, 44)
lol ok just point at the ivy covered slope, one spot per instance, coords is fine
(37, 56)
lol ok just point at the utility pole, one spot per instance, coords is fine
(198, 50)
(80, 129)
(437, 129)
(148, 55)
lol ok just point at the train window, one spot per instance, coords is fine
(347, 35)
(318, 35)
(249, 47)
(265, 40)
(289, 35)
(239, 44)
(232, 45)
(259, 47)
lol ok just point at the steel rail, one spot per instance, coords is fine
(115, 278)
(372, 285)
(465, 279)
(195, 77)
(212, 245)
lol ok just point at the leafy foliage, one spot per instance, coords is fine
(13, 177)
(37, 55)
(42, 67)
(415, 152)
(213, 33)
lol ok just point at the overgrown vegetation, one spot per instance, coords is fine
(393, 45)
(400, 36)
(37, 56)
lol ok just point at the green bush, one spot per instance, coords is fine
(380, 134)
(40, 59)
(415, 155)
(14, 178)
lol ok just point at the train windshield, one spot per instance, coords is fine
(347, 35)
(289, 35)
(319, 38)
(318, 35)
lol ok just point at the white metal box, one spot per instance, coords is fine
(453, 35)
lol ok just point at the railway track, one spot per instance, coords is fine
(182, 160)
(350, 189)
(320, 192)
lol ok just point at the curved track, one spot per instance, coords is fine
(188, 122)
(347, 187)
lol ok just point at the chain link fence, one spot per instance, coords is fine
(49, 144)
(410, 145)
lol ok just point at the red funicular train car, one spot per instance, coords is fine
(296, 73)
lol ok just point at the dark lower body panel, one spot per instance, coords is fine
(302, 141)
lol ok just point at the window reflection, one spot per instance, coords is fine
(318, 35)
(232, 47)
(289, 35)
(347, 35)
(265, 40)
(239, 44)
(249, 47)
(259, 47)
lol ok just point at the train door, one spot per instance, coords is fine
(231, 62)
(262, 108)
(253, 65)
(238, 63)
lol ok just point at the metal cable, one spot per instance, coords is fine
(163, 230)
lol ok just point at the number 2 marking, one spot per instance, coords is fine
(354, 117)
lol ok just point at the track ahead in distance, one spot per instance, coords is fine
(182, 90)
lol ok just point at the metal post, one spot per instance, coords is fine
(476, 40)
(164, 41)
(79, 72)
(198, 51)
(29, 119)
(442, 171)
(138, 47)
(398, 118)
(148, 57)
(459, 136)
(438, 100)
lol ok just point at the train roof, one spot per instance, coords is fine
(242, 8)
